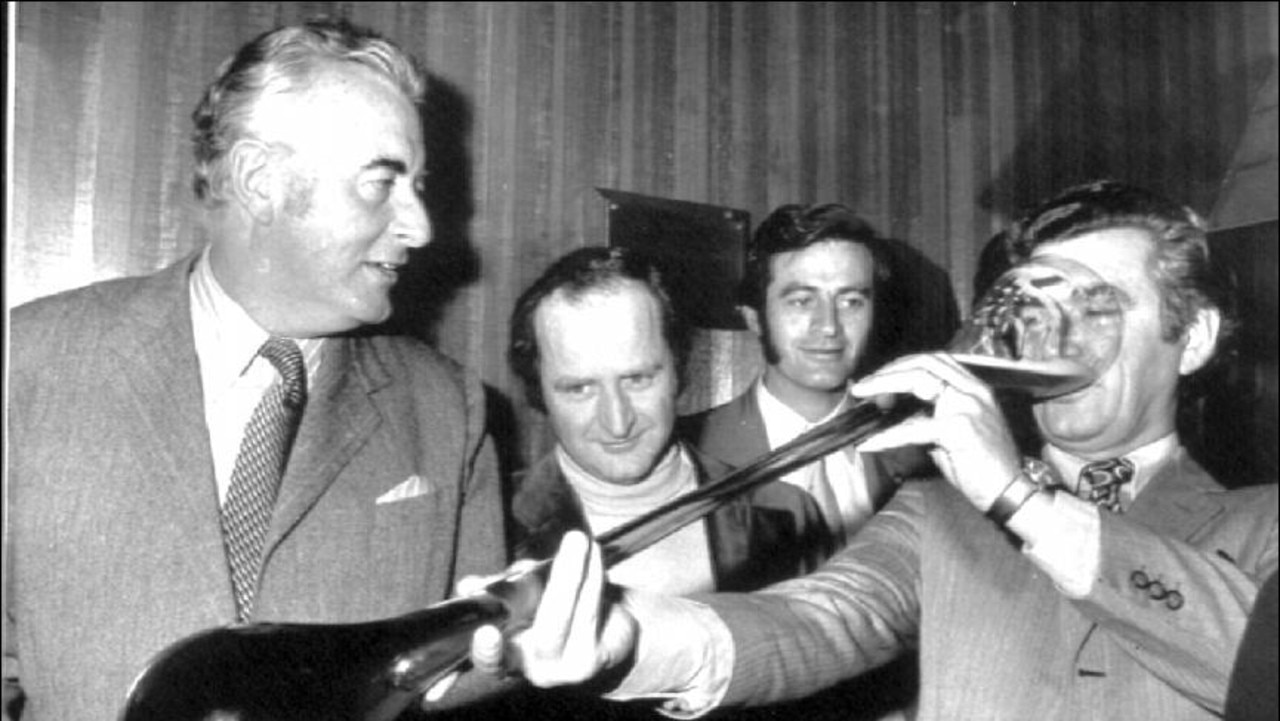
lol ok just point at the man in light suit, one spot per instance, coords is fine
(818, 293)
(1025, 600)
(131, 398)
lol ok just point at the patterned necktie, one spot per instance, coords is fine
(246, 513)
(1102, 481)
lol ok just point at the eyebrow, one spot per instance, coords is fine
(397, 166)
(647, 369)
(793, 286)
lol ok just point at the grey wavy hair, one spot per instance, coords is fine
(280, 61)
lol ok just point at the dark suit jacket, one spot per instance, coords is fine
(997, 640)
(770, 533)
(115, 544)
(1251, 696)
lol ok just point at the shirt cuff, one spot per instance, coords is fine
(684, 655)
(1062, 535)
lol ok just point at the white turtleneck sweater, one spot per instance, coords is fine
(678, 564)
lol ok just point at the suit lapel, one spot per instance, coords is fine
(152, 353)
(747, 432)
(1175, 503)
(339, 419)
(1178, 501)
(156, 361)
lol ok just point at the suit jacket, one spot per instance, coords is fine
(1252, 693)
(115, 544)
(769, 534)
(996, 639)
(734, 433)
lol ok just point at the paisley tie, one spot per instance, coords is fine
(1102, 480)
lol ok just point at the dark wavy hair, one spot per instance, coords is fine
(281, 61)
(1187, 278)
(576, 274)
(795, 227)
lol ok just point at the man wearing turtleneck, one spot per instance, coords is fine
(599, 348)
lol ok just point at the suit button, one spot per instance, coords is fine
(1140, 579)
(1157, 591)
(1174, 601)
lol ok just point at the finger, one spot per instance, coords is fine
(914, 431)
(554, 618)
(441, 687)
(486, 649)
(618, 638)
(585, 629)
(922, 383)
(471, 585)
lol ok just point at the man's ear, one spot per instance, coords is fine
(251, 177)
(1201, 340)
(750, 317)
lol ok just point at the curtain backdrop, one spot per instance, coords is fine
(934, 120)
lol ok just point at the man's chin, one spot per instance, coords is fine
(1064, 427)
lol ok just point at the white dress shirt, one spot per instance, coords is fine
(232, 374)
(838, 482)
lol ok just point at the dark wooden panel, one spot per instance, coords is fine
(1233, 427)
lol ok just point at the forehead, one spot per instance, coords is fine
(1123, 257)
(348, 114)
(830, 264)
(602, 331)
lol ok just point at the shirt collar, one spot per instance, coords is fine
(781, 422)
(227, 339)
(1147, 461)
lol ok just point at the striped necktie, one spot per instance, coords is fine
(246, 513)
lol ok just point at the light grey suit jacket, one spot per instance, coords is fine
(996, 639)
(115, 545)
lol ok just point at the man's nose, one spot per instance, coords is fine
(411, 226)
(826, 318)
(615, 413)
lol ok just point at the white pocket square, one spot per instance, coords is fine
(411, 487)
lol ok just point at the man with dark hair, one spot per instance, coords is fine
(216, 443)
(817, 293)
(599, 349)
(1111, 578)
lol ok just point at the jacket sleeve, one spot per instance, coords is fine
(857, 612)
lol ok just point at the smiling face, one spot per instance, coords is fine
(341, 210)
(819, 309)
(608, 379)
(1133, 402)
